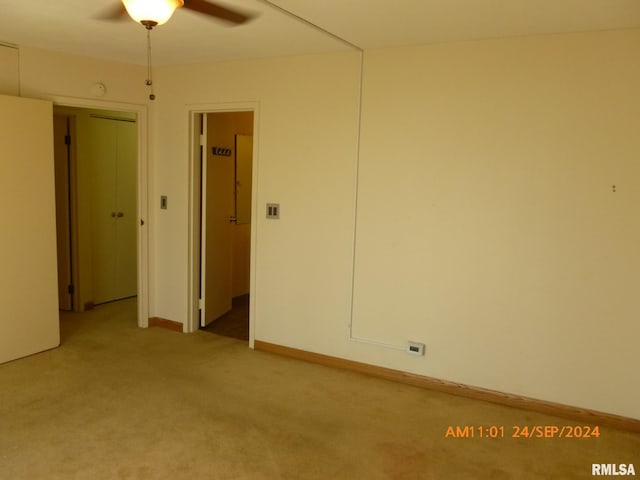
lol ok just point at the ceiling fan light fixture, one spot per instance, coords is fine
(154, 12)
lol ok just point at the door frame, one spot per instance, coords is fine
(72, 227)
(142, 193)
(192, 113)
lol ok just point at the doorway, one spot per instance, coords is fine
(111, 161)
(226, 167)
(97, 201)
(64, 165)
(223, 222)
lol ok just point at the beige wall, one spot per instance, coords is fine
(487, 226)
(52, 74)
(241, 252)
(9, 70)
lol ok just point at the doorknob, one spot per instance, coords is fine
(233, 219)
(119, 214)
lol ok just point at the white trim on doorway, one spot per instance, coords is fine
(191, 112)
(142, 188)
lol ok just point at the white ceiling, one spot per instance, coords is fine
(71, 26)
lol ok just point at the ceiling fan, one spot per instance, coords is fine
(151, 13)
(156, 12)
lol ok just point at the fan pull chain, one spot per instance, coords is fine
(149, 81)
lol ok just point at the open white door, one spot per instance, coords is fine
(29, 282)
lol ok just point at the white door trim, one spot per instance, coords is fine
(202, 305)
(193, 318)
(142, 185)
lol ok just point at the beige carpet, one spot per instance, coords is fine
(119, 402)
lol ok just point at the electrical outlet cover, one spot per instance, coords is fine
(415, 348)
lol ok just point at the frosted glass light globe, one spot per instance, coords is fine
(157, 11)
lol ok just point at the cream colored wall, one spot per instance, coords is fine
(9, 70)
(488, 224)
(51, 74)
(241, 260)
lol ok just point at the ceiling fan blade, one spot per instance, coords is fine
(202, 6)
(114, 12)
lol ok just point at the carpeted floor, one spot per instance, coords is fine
(119, 402)
(234, 324)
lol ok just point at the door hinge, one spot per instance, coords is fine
(202, 139)
(200, 303)
(67, 139)
(70, 289)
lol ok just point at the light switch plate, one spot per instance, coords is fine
(273, 211)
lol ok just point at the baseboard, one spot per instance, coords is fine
(583, 415)
(164, 323)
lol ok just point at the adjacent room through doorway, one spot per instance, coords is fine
(96, 159)
(226, 170)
